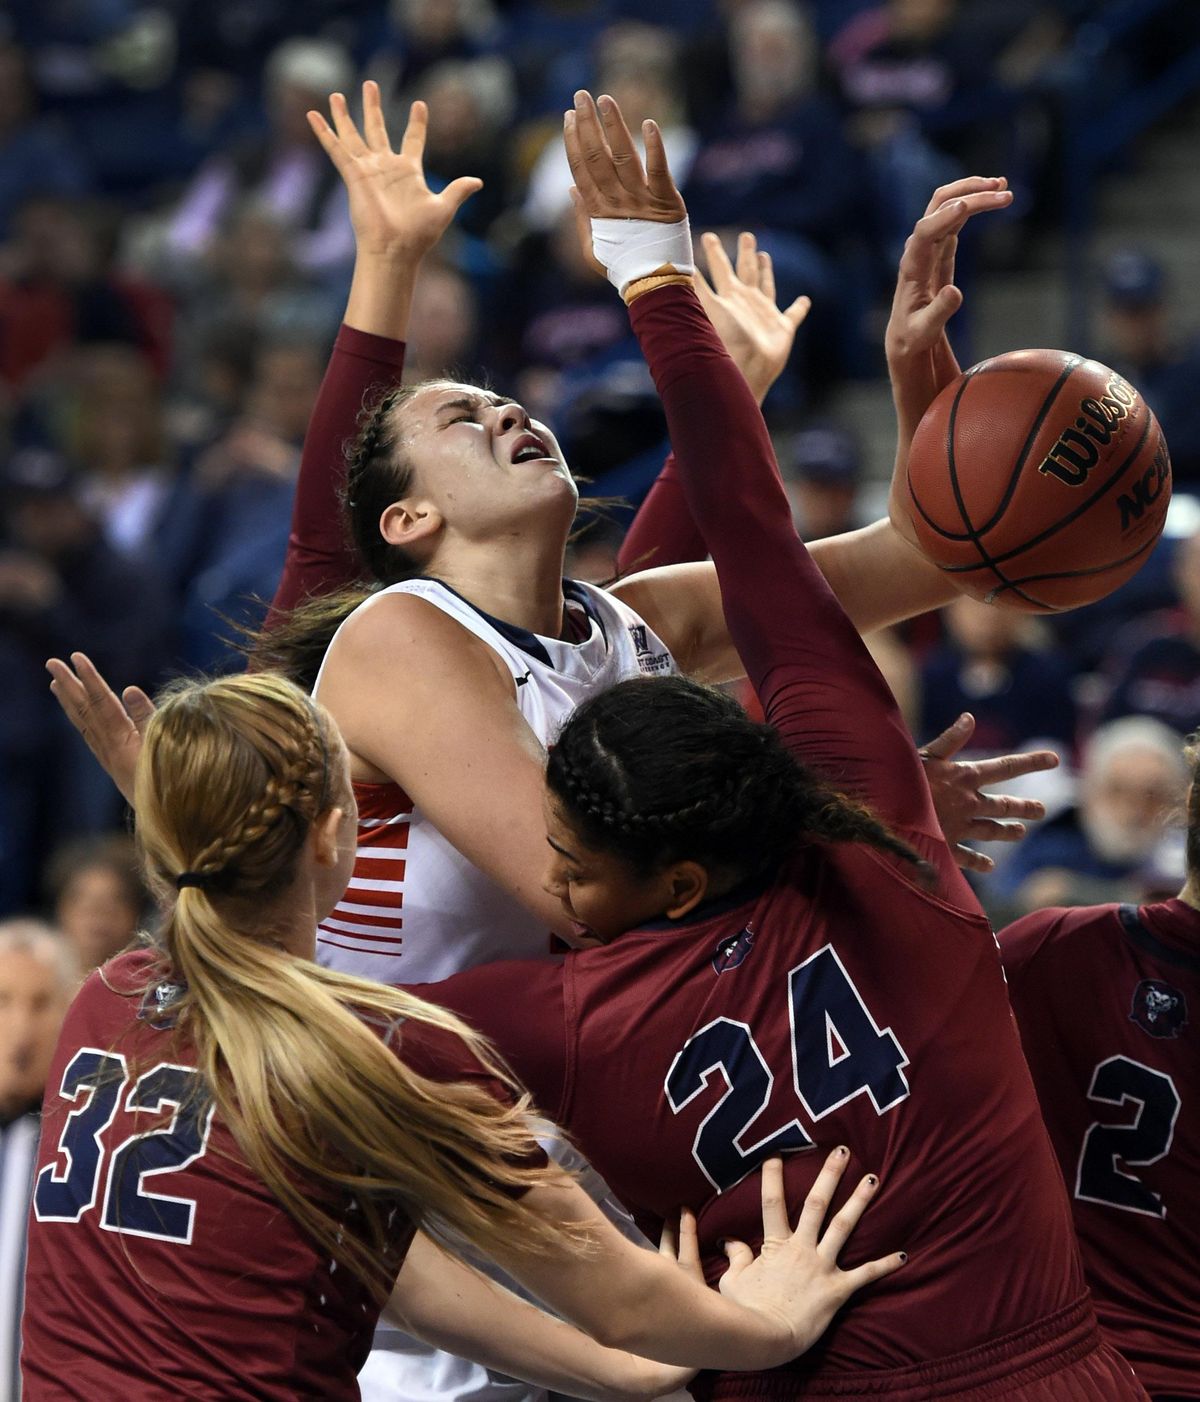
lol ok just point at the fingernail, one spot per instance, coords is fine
(904, 1255)
(842, 1152)
(874, 1182)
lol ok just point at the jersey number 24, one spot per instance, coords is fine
(95, 1082)
(838, 1052)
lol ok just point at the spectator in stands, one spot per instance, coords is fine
(996, 664)
(284, 169)
(778, 161)
(58, 291)
(1164, 365)
(823, 472)
(60, 581)
(1132, 783)
(638, 65)
(417, 34)
(96, 896)
(250, 280)
(119, 439)
(1155, 668)
(38, 978)
(471, 106)
(36, 155)
(443, 325)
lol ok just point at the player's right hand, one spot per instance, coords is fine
(112, 726)
(393, 210)
(795, 1280)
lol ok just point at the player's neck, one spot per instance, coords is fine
(518, 582)
(1190, 895)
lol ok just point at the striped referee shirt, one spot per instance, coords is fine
(18, 1153)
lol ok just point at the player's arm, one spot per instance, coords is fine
(441, 1300)
(770, 1309)
(430, 707)
(758, 336)
(397, 220)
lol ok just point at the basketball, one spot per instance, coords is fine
(1039, 480)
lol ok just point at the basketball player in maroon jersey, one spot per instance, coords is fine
(238, 1148)
(1107, 1000)
(775, 968)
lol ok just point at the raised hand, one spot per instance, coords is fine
(111, 725)
(740, 303)
(965, 812)
(392, 209)
(796, 1278)
(920, 359)
(607, 169)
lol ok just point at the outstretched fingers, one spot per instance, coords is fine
(593, 149)
(658, 170)
(374, 124)
(348, 134)
(412, 143)
(844, 1221)
(720, 269)
(747, 259)
(951, 740)
(627, 164)
(820, 1195)
(774, 1203)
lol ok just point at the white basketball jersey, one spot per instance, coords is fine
(416, 909)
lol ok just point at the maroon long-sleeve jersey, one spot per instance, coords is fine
(839, 1002)
(160, 1266)
(1107, 1000)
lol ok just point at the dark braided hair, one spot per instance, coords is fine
(662, 769)
(376, 476)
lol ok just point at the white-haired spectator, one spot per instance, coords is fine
(39, 974)
(1132, 782)
(285, 170)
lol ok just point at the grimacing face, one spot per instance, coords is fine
(482, 461)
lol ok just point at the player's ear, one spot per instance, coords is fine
(323, 837)
(406, 523)
(687, 885)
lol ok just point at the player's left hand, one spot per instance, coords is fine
(919, 357)
(608, 171)
(740, 303)
(796, 1277)
(965, 812)
(112, 725)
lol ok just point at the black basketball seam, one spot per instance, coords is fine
(916, 501)
(1072, 515)
(1015, 475)
(980, 548)
(1092, 569)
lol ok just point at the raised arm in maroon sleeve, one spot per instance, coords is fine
(319, 559)
(662, 532)
(816, 680)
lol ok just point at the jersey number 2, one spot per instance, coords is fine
(1118, 1081)
(838, 1052)
(95, 1082)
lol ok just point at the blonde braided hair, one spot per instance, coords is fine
(232, 775)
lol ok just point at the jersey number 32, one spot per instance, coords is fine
(95, 1082)
(838, 1052)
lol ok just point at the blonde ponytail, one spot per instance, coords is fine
(232, 774)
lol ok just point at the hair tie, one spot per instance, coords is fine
(190, 878)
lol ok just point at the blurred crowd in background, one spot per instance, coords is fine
(175, 253)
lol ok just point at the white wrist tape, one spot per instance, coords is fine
(634, 248)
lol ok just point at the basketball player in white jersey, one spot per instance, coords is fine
(447, 687)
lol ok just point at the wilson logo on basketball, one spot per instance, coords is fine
(1078, 449)
(1146, 489)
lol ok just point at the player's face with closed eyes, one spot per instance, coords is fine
(480, 459)
(601, 894)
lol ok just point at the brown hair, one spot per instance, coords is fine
(232, 774)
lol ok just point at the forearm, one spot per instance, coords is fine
(630, 1298)
(452, 1307)
(381, 293)
(878, 577)
(662, 532)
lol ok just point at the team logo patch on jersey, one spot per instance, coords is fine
(730, 952)
(647, 659)
(1158, 1008)
(158, 1006)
